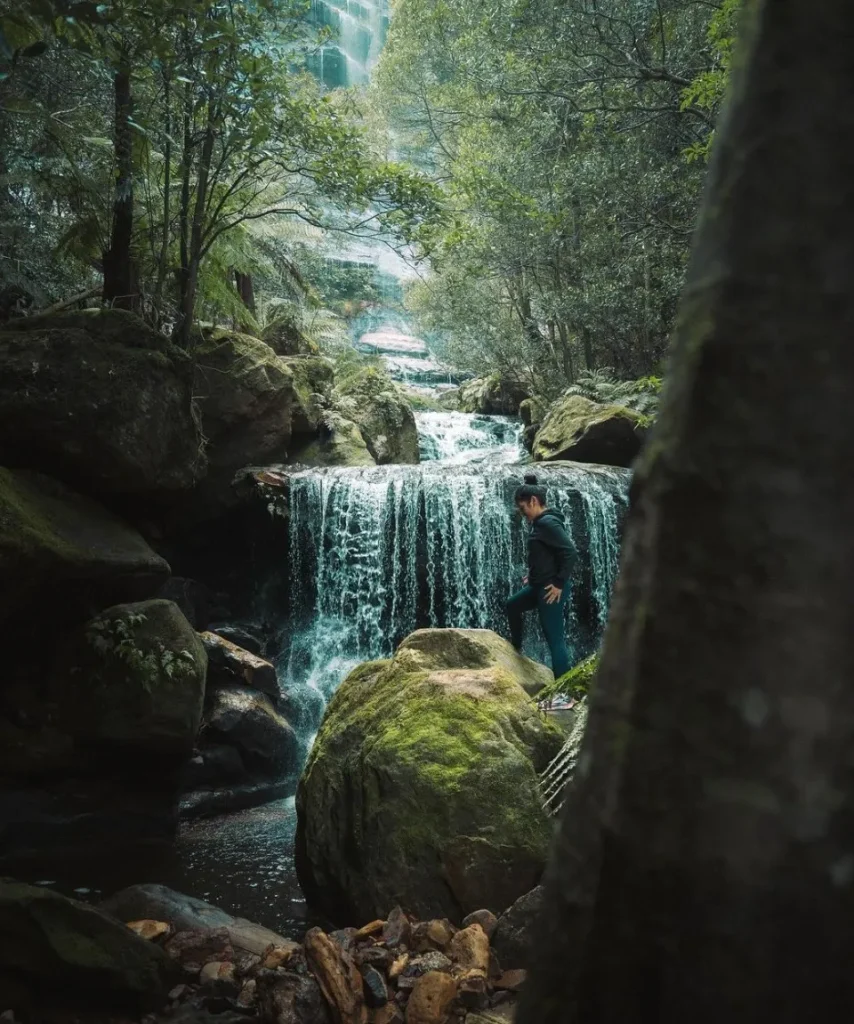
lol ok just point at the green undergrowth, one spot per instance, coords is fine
(575, 683)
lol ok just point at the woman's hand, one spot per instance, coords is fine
(553, 594)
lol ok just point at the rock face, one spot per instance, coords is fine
(253, 402)
(140, 682)
(100, 401)
(514, 934)
(52, 538)
(230, 665)
(56, 950)
(492, 396)
(579, 430)
(340, 444)
(383, 414)
(421, 788)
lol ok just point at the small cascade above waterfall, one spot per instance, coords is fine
(458, 437)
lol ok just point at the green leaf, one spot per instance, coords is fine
(96, 140)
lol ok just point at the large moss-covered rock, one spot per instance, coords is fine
(579, 430)
(421, 788)
(383, 414)
(101, 401)
(340, 444)
(137, 682)
(52, 538)
(284, 335)
(255, 405)
(59, 952)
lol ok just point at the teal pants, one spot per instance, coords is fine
(551, 621)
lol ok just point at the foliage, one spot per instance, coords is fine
(115, 639)
(573, 684)
(602, 386)
(559, 134)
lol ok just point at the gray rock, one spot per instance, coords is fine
(512, 938)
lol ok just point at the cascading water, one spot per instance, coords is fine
(376, 553)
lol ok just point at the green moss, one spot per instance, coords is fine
(575, 683)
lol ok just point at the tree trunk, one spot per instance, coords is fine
(245, 290)
(121, 278)
(704, 869)
(190, 281)
(163, 256)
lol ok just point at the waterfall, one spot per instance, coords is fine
(359, 29)
(457, 437)
(378, 552)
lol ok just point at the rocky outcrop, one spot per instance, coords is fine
(384, 416)
(579, 430)
(285, 338)
(245, 719)
(136, 683)
(100, 401)
(58, 953)
(230, 665)
(340, 443)
(255, 406)
(421, 787)
(493, 396)
(56, 542)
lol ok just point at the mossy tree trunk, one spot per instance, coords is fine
(121, 276)
(704, 870)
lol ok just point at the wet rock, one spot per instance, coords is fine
(485, 918)
(338, 977)
(396, 930)
(583, 431)
(248, 993)
(511, 981)
(246, 719)
(150, 930)
(99, 400)
(435, 934)
(55, 543)
(375, 988)
(493, 396)
(512, 939)
(370, 929)
(86, 956)
(232, 797)
(340, 444)
(287, 998)
(371, 783)
(279, 956)
(230, 665)
(201, 947)
(431, 999)
(241, 636)
(418, 966)
(187, 913)
(375, 956)
(345, 937)
(382, 413)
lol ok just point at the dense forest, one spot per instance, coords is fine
(539, 164)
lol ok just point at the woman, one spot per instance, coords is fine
(551, 557)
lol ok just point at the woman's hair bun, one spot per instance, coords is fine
(531, 478)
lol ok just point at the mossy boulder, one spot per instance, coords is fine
(383, 414)
(495, 395)
(285, 338)
(53, 542)
(255, 405)
(137, 683)
(57, 952)
(100, 401)
(421, 788)
(579, 430)
(340, 443)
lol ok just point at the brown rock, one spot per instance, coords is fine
(338, 977)
(469, 949)
(485, 918)
(369, 929)
(230, 665)
(399, 966)
(388, 1014)
(278, 956)
(375, 956)
(512, 981)
(150, 930)
(220, 975)
(200, 947)
(397, 930)
(434, 934)
(431, 999)
(248, 993)
(472, 989)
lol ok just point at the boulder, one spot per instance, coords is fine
(246, 720)
(186, 913)
(252, 402)
(53, 540)
(533, 410)
(137, 683)
(512, 938)
(340, 443)
(579, 430)
(285, 338)
(101, 401)
(230, 665)
(493, 396)
(421, 788)
(383, 414)
(56, 949)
